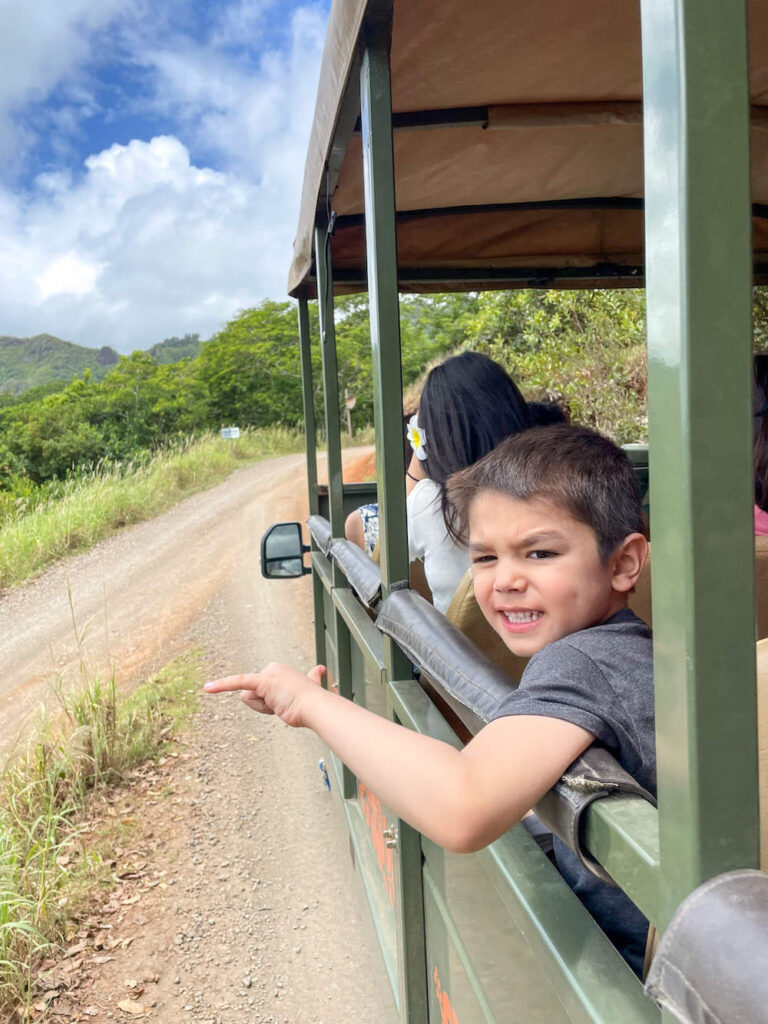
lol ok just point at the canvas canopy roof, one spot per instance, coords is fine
(517, 140)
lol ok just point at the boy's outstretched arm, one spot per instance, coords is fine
(462, 799)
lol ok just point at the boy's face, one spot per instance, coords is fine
(537, 572)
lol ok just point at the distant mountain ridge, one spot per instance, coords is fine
(30, 362)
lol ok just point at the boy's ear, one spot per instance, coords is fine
(627, 561)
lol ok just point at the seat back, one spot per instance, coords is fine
(640, 599)
(464, 612)
(761, 586)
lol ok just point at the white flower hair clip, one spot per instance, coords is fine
(417, 437)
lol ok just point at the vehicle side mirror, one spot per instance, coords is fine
(281, 552)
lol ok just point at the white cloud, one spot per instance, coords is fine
(140, 242)
(145, 246)
(241, 21)
(70, 274)
(256, 119)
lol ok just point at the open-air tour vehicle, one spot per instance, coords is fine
(543, 143)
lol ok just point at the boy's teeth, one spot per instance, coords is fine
(522, 616)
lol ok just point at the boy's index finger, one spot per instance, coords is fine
(246, 681)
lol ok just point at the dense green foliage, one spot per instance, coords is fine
(248, 374)
(585, 349)
(172, 350)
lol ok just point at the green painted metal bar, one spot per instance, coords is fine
(455, 938)
(381, 256)
(362, 630)
(590, 977)
(381, 248)
(321, 568)
(330, 379)
(363, 851)
(307, 390)
(333, 443)
(622, 834)
(310, 436)
(698, 249)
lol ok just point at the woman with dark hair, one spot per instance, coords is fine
(469, 404)
(760, 437)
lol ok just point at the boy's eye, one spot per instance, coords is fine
(542, 554)
(478, 559)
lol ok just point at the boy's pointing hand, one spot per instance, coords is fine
(276, 690)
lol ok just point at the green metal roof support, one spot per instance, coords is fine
(307, 389)
(698, 259)
(335, 478)
(381, 245)
(310, 436)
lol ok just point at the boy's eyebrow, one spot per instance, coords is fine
(526, 542)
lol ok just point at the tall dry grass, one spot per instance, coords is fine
(45, 865)
(88, 508)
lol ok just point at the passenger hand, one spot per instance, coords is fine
(276, 690)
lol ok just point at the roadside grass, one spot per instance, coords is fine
(50, 865)
(88, 508)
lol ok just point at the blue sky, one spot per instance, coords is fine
(151, 160)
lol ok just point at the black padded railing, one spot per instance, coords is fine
(711, 966)
(474, 687)
(320, 529)
(362, 573)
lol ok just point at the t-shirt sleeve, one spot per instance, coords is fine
(562, 682)
(420, 518)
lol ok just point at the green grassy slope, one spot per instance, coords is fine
(30, 362)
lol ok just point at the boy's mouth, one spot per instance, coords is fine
(520, 621)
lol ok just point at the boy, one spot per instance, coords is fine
(556, 545)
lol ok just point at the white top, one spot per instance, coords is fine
(444, 561)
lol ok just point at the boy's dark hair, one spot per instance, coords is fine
(573, 467)
(545, 414)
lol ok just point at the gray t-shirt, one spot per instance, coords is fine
(600, 678)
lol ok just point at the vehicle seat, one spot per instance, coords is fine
(640, 599)
(464, 612)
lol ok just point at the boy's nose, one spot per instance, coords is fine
(510, 577)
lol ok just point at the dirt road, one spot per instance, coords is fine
(256, 914)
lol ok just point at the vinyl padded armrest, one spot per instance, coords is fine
(711, 966)
(320, 529)
(362, 573)
(470, 683)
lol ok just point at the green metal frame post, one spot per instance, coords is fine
(333, 441)
(307, 391)
(381, 250)
(698, 255)
(310, 435)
